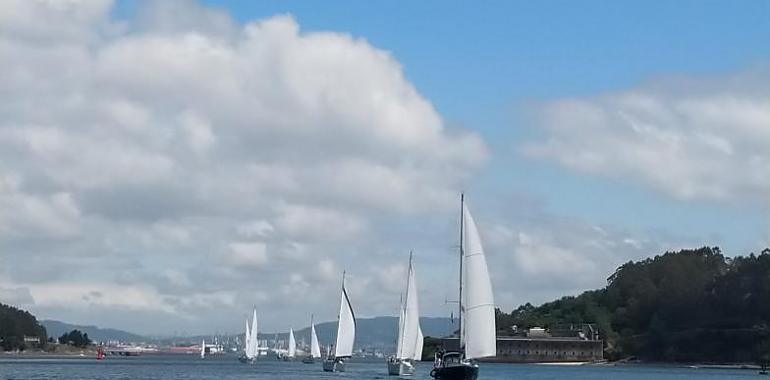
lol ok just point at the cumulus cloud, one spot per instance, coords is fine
(19, 297)
(551, 256)
(690, 138)
(182, 160)
(182, 167)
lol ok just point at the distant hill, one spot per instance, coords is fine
(56, 329)
(377, 332)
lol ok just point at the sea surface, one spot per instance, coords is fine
(226, 367)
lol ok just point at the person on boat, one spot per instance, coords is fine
(439, 356)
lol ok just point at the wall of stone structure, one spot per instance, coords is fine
(546, 350)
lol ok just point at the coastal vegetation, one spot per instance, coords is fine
(75, 338)
(15, 326)
(687, 306)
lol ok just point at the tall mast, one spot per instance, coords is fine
(343, 293)
(462, 254)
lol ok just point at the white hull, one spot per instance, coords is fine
(245, 360)
(398, 367)
(334, 365)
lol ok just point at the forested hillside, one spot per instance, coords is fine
(687, 306)
(14, 325)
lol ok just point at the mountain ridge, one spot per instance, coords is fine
(370, 332)
(98, 334)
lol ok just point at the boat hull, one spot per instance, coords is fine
(246, 360)
(308, 360)
(464, 371)
(334, 365)
(398, 367)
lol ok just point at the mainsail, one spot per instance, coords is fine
(418, 348)
(292, 344)
(346, 327)
(410, 327)
(478, 305)
(315, 348)
(246, 339)
(251, 351)
(401, 320)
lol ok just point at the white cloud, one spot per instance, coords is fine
(693, 139)
(257, 228)
(80, 295)
(19, 297)
(193, 167)
(539, 261)
(183, 154)
(248, 254)
(305, 222)
(25, 215)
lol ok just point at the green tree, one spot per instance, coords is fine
(691, 305)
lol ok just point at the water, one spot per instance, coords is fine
(190, 367)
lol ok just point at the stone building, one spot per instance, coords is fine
(537, 346)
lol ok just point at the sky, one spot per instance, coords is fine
(167, 166)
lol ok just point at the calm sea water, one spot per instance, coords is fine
(190, 367)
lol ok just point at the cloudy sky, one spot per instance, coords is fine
(166, 166)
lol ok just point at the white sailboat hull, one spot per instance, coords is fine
(399, 367)
(334, 365)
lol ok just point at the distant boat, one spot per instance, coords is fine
(346, 335)
(100, 353)
(409, 344)
(315, 348)
(291, 352)
(203, 349)
(477, 308)
(250, 350)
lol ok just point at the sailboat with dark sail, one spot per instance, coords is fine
(346, 335)
(477, 308)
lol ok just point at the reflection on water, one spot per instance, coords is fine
(190, 367)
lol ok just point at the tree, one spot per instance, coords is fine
(691, 305)
(75, 338)
(15, 324)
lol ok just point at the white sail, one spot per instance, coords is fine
(251, 352)
(346, 327)
(411, 324)
(478, 319)
(400, 338)
(418, 346)
(246, 338)
(315, 348)
(203, 349)
(292, 344)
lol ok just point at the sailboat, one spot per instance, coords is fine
(315, 348)
(251, 341)
(477, 308)
(409, 346)
(292, 349)
(203, 349)
(346, 334)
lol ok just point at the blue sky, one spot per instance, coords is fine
(224, 154)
